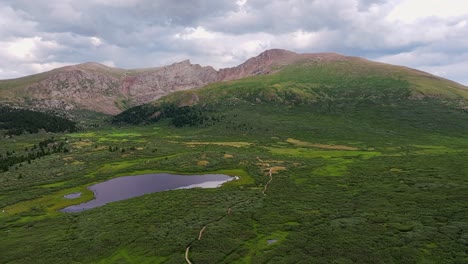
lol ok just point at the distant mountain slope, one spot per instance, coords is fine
(323, 83)
(308, 78)
(96, 87)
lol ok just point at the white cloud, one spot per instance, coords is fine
(26, 49)
(96, 41)
(117, 3)
(22, 49)
(30, 68)
(453, 71)
(412, 10)
(38, 67)
(14, 23)
(108, 63)
(428, 35)
(65, 12)
(414, 59)
(195, 33)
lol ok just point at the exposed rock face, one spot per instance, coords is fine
(76, 89)
(153, 84)
(262, 64)
(271, 61)
(96, 87)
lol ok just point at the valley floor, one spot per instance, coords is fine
(313, 188)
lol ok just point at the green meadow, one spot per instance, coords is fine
(337, 163)
(376, 185)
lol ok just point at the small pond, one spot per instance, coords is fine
(271, 241)
(73, 195)
(123, 188)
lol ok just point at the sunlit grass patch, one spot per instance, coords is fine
(202, 162)
(123, 256)
(336, 167)
(326, 154)
(82, 135)
(228, 144)
(321, 146)
(51, 203)
(82, 144)
(116, 166)
(244, 177)
(124, 134)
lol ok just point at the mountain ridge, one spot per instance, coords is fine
(97, 87)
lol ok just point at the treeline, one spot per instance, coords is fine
(178, 116)
(44, 148)
(19, 121)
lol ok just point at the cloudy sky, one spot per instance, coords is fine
(35, 36)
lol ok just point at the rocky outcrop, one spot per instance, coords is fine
(273, 60)
(96, 87)
(150, 85)
(262, 64)
(76, 89)
(99, 88)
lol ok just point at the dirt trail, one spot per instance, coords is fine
(229, 210)
(268, 182)
(186, 255)
(201, 233)
(270, 174)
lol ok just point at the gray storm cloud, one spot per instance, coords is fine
(40, 35)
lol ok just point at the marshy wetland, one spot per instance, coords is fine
(376, 185)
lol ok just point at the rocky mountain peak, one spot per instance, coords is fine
(184, 62)
(101, 88)
(262, 64)
(273, 54)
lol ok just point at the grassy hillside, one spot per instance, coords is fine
(308, 82)
(344, 87)
(12, 85)
(337, 164)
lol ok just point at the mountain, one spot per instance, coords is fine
(95, 87)
(336, 159)
(328, 81)
(273, 60)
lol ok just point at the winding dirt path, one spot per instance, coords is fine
(229, 210)
(270, 174)
(268, 182)
(201, 233)
(187, 254)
